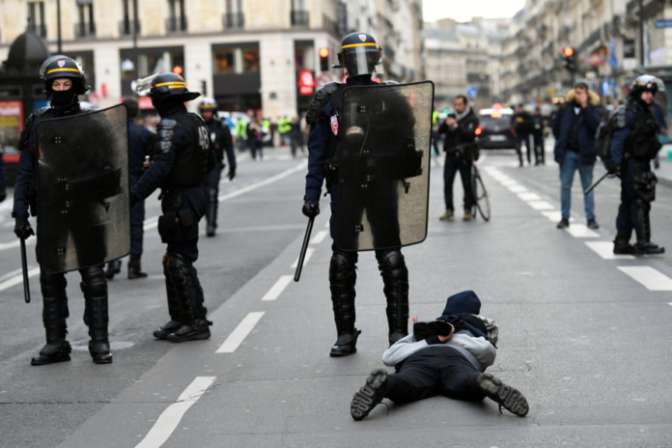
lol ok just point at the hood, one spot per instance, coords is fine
(594, 97)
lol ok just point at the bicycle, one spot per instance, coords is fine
(481, 200)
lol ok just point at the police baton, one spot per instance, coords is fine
(24, 268)
(304, 248)
(599, 181)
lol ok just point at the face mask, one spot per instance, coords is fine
(62, 98)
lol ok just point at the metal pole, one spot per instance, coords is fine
(641, 33)
(59, 37)
(135, 25)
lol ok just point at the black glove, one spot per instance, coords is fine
(613, 168)
(311, 208)
(232, 174)
(22, 228)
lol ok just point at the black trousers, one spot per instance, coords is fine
(524, 139)
(450, 168)
(539, 148)
(214, 178)
(137, 225)
(434, 371)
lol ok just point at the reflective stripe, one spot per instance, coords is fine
(365, 44)
(172, 84)
(66, 69)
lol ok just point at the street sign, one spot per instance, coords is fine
(472, 91)
(664, 23)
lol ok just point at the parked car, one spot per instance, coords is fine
(495, 130)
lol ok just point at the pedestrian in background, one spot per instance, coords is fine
(254, 139)
(461, 151)
(539, 129)
(522, 128)
(296, 140)
(575, 149)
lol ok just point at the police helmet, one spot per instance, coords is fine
(60, 66)
(207, 105)
(359, 55)
(165, 86)
(644, 83)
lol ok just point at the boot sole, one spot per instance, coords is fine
(177, 340)
(509, 397)
(51, 360)
(368, 397)
(107, 360)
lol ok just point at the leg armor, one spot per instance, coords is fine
(94, 287)
(395, 279)
(54, 315)
(342, 278)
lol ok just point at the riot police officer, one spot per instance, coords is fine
(221, 140)
(179, 167)
(330, 138)
(64, 81)
(634, 144)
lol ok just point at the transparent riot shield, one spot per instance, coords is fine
(83, 204)
(381, 194)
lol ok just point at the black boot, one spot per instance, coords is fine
(622, 246)
(112, 269)
(342, 278)
(174, 303)
(506, 396)
(57, 348)
(645, 246)
(395, 278)
(368, 397)
(96, 317)
(135, 269)
(189, 293)
(54, 315)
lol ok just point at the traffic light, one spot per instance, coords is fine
(569, 58)
(324, 59)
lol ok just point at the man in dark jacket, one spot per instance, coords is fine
(461, 152)
(538, 136)
(523, 126)
(575, 149)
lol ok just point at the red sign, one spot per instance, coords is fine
(11, 114)
(306, 82)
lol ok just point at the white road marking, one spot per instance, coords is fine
(518, 189)
(529, 197)
(239, 334)
(321, 235)
(151, 223)
(555, 216)
(581, 231)
(277, 288)
(16, 243)
(326, 224)
(17, 279)
(605, 249)
(169, 419)
(651, 278)
(541, 205)
(309, 253)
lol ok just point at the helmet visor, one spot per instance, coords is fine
(360, 60)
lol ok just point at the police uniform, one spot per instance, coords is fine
(53, 285)
(222, 142)
(182, 159)
(634, 144)
(324, 138)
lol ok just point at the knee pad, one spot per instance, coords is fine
(342, 265)
(392, 264)
(94, 283)
(53, 285)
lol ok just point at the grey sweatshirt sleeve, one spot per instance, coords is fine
(402, 349)
(479, 347)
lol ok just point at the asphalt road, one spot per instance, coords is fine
(583, 335)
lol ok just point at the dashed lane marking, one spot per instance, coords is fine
(167, 422)
(529, 197)
(651, 278)
(581, 231)
(277, 288)
(541, 205)
(239, 334)
(309, 253)
(16, 243)
(605, 249)
(518, 189)
(321, 235)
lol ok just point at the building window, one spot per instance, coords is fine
(130, 20)
(299, 15)
(234, 18)
(86, 25)
(177, 19)
(236, 59)
(36, 21)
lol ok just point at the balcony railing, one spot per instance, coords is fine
(176, 24)
(126, 27)
(300, 18)
(85, 29)
(40, 30)
(233, 20)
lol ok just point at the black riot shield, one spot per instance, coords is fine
(83, 190)
(381, 193)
